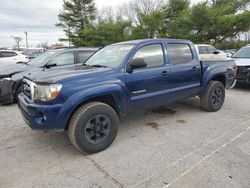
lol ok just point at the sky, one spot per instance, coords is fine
(38, 18)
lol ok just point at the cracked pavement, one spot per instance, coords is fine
(178, 145)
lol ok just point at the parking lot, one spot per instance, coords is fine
(174, 146)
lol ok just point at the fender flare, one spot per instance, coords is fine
(80, 97)
(209, 77)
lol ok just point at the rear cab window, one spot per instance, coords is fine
(203, 50)
(211, 49)
(179, 53)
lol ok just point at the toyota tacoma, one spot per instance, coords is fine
(117, 80)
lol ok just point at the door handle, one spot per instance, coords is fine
(165, 73)
(194, 68)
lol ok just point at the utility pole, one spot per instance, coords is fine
(26, 37)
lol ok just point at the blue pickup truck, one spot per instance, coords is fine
(119, 79)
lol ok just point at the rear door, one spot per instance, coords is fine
(148, 86)
(185, 74)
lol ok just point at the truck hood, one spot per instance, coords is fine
(242, 61)
(53, 76)
(9, 70)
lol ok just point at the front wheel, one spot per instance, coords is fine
(213, 98)
(93, 127)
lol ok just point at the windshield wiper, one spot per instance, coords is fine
(85, 65)
(98, 66)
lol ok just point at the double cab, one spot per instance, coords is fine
(117, 80)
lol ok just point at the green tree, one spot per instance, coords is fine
(222, 20)
(76, 16)
(105, 32)
(210, 22)
(112, 31)
(151, 25)
(177, 17)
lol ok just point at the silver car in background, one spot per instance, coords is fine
(242, 60)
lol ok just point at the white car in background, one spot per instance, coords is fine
(209, 53)
(8, 57)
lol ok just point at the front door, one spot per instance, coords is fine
(148, 86)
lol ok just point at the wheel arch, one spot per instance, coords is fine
(106, 99)
(113, 97)
(217, 77)
(220, 78)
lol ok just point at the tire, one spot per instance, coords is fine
(213, 98)
(93, 127)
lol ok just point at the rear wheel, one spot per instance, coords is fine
(213, 98)
(93, 127)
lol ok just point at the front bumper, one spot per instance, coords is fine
(40, 117)
(243, 74)
(6, 94)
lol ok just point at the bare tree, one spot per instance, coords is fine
(43, 45)
(133, 10)
(107, 13)
(18, 41)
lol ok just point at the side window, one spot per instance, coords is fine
(203, 50)
(152, 55)
(179, 53)
(8, 54)
(67, 58)
(84, 55)
(12, 54)
(211, 49)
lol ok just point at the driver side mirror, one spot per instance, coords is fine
(216, 52)
(50, 64)
(136, 64)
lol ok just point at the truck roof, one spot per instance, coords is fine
(141, 41)
(74, 49)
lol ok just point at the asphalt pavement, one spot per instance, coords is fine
(177, 145)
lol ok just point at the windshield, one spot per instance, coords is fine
(243, 53)
(110, 56)
(42, 58)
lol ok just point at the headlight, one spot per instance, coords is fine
(46, 92)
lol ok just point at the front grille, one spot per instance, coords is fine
(243, 74)
(243, 71)
(26, 88)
